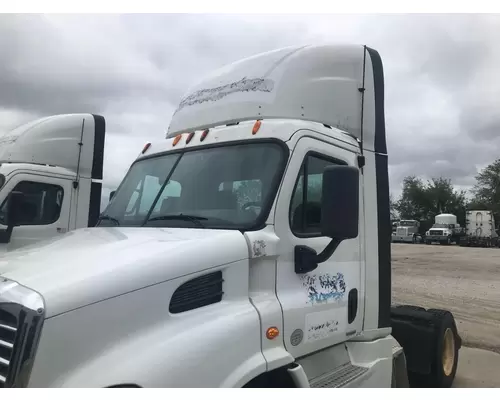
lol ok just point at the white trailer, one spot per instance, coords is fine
(54, 166)
(251, 248)
(480, 229)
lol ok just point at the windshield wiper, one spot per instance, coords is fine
(185, 217)
(108, 218)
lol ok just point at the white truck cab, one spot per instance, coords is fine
(54, 167)
(407, 231)
(249, 248)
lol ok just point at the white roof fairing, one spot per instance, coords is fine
(54, 140)
(312, 83)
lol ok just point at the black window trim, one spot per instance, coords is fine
(303, 168)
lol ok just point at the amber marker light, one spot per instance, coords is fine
(176, 140)
(272, 333)
(256, 127)
(189, 137)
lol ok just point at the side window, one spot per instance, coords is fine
(42, 203)
(305, 207)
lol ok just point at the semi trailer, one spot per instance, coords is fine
(250, 248)
(54, 166)
(480, 229)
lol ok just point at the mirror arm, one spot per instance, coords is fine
(306, 259)
(328, 251)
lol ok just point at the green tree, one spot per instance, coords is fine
(486, 191)
(423, 201)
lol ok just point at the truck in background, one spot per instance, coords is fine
(445, 230)
(480, 229)
(251, 248)
(407, 231)
(54, 166)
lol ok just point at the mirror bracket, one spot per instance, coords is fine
(307, 260)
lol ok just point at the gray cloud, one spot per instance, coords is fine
(441, 82)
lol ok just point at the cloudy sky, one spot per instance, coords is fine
(441, 76)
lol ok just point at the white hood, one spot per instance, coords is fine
(90, 265)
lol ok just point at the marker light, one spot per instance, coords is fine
(146, 147)
(204, 135)
(256, 127)
(176, 140)
(189, 137)
(272, 333)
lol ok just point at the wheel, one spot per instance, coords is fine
(445, 360)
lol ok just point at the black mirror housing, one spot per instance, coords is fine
(340, 202)
(13, 217)
(14, 208)
(112, 194)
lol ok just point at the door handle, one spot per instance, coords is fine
(352, 305)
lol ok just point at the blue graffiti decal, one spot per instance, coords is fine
(321, 289)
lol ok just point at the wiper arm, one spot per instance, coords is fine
(108, 218)
(185, 217)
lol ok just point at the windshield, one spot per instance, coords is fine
(229, 187)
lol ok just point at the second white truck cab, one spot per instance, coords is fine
(250, 248)
(407, 231)
(445, 230)
(54, 167)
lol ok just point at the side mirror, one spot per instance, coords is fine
(340, 202)
(14, 208)
(339, 215)
(112, 194)
(14, 212)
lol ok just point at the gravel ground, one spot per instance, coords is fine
(465, 281)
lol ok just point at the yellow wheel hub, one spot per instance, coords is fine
(448, 356)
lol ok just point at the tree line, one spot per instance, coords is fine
(422, 201)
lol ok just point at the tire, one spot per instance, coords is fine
(410, 307)
(445, 359)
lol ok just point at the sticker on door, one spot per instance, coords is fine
(323, 324)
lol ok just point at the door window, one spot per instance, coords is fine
(305, 208)
(41, 204)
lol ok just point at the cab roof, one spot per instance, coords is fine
(326, 84)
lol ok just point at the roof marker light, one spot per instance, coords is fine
(146, 147)
(204, 135)
(189, 137)
(177, 139)
(256, 126)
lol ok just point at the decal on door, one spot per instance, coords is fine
(321, 325)
(324, 288)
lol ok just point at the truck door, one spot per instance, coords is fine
(323, 307)
(45, 210)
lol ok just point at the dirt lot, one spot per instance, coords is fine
(464, 280)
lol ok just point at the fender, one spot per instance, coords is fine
(136, 341)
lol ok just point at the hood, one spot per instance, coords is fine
(90, 265)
